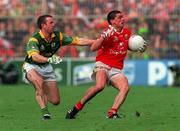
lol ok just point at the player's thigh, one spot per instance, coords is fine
(120, 82)
(101, 78)
(52, 90)
(34, 77)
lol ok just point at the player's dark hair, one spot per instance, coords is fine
(111, 15)
(41, 20)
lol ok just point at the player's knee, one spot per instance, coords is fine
(55, 102)
(99, 88)
(37, 83)
(39, 92)
(125, 89)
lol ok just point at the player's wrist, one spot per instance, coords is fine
(102, 37)
(48, 60)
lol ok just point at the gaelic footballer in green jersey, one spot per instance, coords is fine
(38, 69)
(38, 44)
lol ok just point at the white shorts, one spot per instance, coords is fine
(110, 71)
(46, 71)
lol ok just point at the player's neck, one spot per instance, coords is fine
(46, 35)
(119, 29)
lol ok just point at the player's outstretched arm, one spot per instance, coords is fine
(85, 41)
(96, 44)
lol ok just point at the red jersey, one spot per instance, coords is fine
(114, 49)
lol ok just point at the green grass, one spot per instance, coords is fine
(159, 110)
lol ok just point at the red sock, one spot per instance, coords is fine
(112, 110)
(79, 105)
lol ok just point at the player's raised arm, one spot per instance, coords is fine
(97, 44)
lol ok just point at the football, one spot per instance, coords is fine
(136, 42)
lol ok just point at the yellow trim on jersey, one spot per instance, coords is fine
(33, 39)
(42, 36)
(75, 41)
(30, 53)
(61, 37)
(52, 35)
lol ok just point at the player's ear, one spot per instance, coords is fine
(111, 22)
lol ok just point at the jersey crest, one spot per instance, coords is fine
(126, 36)
(42, 47)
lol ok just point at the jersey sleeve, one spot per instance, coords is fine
(32, 47)
(68, 40)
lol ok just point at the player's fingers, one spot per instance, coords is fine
(58, 60)
(141, 49)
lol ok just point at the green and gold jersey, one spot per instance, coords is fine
(38, 44)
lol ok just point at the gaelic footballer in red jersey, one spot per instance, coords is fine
(112, 48)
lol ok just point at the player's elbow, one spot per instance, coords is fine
(92, 48)
(96, 45)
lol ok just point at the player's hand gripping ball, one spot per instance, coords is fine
(54, 59)
(137, 43)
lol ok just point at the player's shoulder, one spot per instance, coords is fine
(108, 28)
(34, 37)
(36, 34)
(57, 32)
(126, 30)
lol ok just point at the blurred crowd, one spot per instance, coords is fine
(156, 20)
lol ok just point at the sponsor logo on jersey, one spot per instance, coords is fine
(117, 52)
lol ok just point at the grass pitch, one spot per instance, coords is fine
(159, 110)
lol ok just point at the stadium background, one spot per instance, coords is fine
(156, 20)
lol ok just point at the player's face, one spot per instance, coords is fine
(118, 21)
(49, 25)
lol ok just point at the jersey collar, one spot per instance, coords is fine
(115, 30)
(42, 36)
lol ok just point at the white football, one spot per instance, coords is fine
(136, 42)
